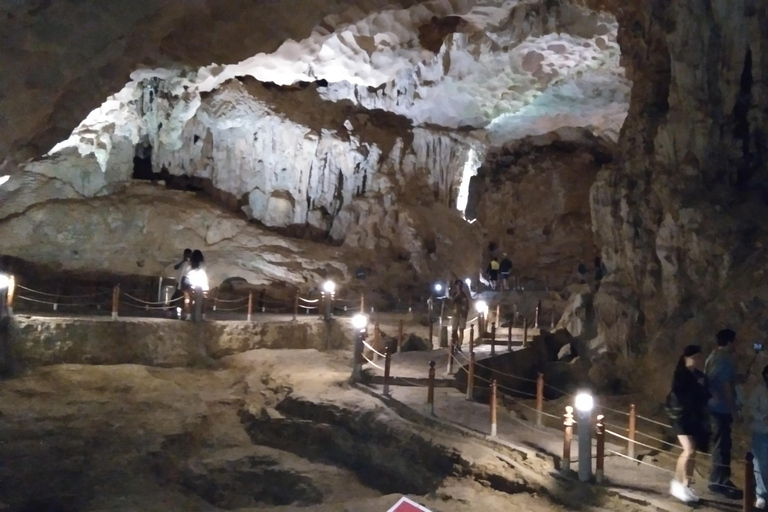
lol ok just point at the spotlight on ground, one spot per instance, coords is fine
(359, 321)
(329, 287)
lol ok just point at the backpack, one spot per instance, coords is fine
(673, 407)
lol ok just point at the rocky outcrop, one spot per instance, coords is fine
(531, 200)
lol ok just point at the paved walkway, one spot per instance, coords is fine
(635, 480)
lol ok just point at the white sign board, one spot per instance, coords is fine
(406, 505)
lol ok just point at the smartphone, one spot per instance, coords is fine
(757, 346)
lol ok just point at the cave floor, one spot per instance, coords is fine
(271, 430)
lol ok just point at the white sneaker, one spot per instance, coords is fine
(680, 491)
(760, 503)
(692, 498)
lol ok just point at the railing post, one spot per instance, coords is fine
(509, 337)
(631, 434)
(296, 307)
(472, 338)
(10, 294)
(480, 325)
(362, 303)
(400, 337)
(539, 398)
(376, 340)
(493, 407)
(250, 305)
(538, 314)
(525, 332)
(498, 314)
(471, 377)
(387, 363)
(567, 438)
(357, 358)
(493, 339)
(451, 352)
(115, 301)
(431, 390)
(431, 324)
(600, 456)
(749, 483)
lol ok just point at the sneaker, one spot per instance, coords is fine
(760, 503)
(679, 491)
(692, 498)
(727, 490)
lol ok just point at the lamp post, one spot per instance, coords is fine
(329, 289)
(360, 324)
(584, 404)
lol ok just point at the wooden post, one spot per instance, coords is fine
(525, 332)
(480, 325)
(539, 398)
(10, 294)
(631, 434)
(749, 483)
(376, 340)
(400, 337)
(387, 363)
(431, 390)
(115, 301)
(567, 438)
(498, 315)
(295, 306)
(451, 352)
(538, 314)
(250, 305)
(493, 339)
(471, 377)
(509, 337)
(431, 328)
(600, 437)
(362, 303)
(472, 338)
(493, 407)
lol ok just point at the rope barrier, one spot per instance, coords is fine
(372, 363)
(151, 302)
(308, 301)
(365, 343)
(308, 308)
(238, 308)
(241, 299)
(62, 296)
(654, 422)
(57, 304)
(614, 452)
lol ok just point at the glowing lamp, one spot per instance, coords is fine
(468, 281)
(359, 321)
(584, 402)
(481, 307)
(5, 281)
(329, 287)
(438, 287)
(198, 279)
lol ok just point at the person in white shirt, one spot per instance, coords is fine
(758, 406)
(197, 277)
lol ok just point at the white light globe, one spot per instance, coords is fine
(438, 287)
(329, 287)
(359, 321)
(584, 402)
(5, 281)
(468, 281)
(481, 307)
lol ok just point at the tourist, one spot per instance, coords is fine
(721, 371)
(505, 269)
(758, 405)
(197, 278)
(493, 272)
(182, 282)
(687, 405)
(460, 301)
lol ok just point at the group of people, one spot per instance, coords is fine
(499, 271)
(191, 275)
(702, 406)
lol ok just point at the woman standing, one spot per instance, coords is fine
(687, 405)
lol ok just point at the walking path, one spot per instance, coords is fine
(636, 480)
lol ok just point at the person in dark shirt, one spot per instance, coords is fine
(505, 269)
(690, 397)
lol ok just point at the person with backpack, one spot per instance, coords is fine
(687, 406)
(758, 405)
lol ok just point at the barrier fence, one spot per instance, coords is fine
(628, 435)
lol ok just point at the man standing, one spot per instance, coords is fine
(505, 269)
(721, 371)
(460, 301)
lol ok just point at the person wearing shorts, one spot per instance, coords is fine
(460, 301)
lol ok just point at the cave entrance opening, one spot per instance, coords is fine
(142, 162)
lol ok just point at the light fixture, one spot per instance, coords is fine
(481, 307)
(438, 287)
(359, 321)
(5, 281)
(584, 402)
(198, 279)
(468, 281)
(329, 287)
